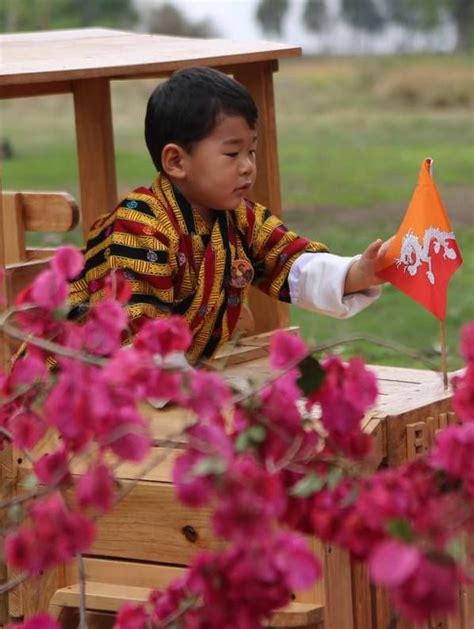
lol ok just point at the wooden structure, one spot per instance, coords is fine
(83, 62)
(150, 538)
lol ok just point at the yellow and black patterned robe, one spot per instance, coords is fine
(177, 264)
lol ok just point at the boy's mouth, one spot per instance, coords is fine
(243, 188)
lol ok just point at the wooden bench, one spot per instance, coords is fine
(41, 212)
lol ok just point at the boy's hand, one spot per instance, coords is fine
(361, 274)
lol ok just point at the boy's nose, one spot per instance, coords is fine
(247, 165)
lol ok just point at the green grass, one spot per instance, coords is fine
(352, 134)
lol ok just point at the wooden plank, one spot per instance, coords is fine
(147, 575)
(338, 602)
(36, 593)
(258, 79)
(361, 597)
(47, 211)
(150, 525)
(13, 228)
(30, 58)
(6, 461)
(36, 89)
(95, 149)
(110, 597)
(18, 276)
(382, 613)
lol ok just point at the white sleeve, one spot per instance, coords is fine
(316, 282)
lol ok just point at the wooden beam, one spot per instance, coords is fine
(95, 149)
(258, 79)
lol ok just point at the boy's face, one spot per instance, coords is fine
(220, 169)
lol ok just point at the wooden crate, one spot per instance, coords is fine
(150, 537)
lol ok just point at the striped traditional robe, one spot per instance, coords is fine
(177, 264)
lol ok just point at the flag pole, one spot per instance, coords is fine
(444, 354)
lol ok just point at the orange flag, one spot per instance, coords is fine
(424, 253)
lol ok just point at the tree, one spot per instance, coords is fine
(268, 472)
(374, 15)
(34, 15)
(169, 20)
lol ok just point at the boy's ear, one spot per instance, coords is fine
(172, 160)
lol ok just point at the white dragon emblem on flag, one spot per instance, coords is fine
(413, 253)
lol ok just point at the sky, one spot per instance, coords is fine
(235, 19)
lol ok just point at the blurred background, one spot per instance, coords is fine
(382, 84)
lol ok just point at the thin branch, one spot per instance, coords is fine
(82, 591)
(45, 344)
(13, 583)
(396, 347)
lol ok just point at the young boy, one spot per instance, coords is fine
(192, 243)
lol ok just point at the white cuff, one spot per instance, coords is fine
(316, 282)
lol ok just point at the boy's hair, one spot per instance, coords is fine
(184, 109)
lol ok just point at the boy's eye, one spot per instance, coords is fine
(231, 154)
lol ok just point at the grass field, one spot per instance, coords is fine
(352, 135)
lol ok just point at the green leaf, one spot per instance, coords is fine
(312, 375)
(209, 466)
(308, 485)
(249, 438)
(456, 549)
(335, 474)
(257, 433)
(15, 513)
(401, 528)
(30, 482)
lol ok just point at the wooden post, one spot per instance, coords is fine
(258, 79)
(95, 149)
(3, 453)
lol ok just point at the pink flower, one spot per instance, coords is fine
(453, 451)
(209, 395)
(201, 467)
(467, 342)
(393, 562)
(27, 428)
(20, 548)
(49, 290)
(430, 590)
(279, 401)
(296, 561)
(128, 369)
(95, 488)
(163, 385)
(55, 536)
(28, 370)
(192, 489)
(68, 262)
(117, 287)
(52, 469)
(348, 390)
(164, 336)
(131, 616)
(249, 498)
(104, 327)
(286, 350)
(130, 437)
(463, 398)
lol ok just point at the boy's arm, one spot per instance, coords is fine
(317, 283)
